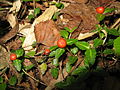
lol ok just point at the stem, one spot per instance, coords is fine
(118, 21)
(32, 77)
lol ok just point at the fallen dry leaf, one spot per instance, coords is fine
(78, 15)
(47, 33)
(30, 38)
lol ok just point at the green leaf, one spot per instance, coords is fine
(97, 42)
(31, 16)
(113, 32)
(100, 17)
(79, 70)
(59, 52)
(74, 50)
(17, 64)
(110, 42)
(3, 86)
(64, 34)
(109, 10)
(82, 45)
(43, 68)
(54, 72)
(31, 53)
(72, 59)
(108, 51)
(22, 39)
(13, 80)
(55, 62)
(67, 29)
(68, 67)
(60, 5)
(73, 29)
(19, 52)
(90, 56)
(67, 82)
(71, 41)
(29, 67)
(52, 54)
(55, 16)
(53, 48)
(1, 79)
(117, 46)
(37, 11)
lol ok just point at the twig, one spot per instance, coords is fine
(32, 77)
(115, 60)
(118, 21)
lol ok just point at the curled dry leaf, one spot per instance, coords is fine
(47, 33)
(11, 17)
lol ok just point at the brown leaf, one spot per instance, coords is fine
(79, 15)
(46, 33)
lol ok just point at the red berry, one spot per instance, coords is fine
(13, 56)
(61, 43)
(47, 51)
(100, 10)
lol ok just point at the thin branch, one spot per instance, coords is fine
(118, 21)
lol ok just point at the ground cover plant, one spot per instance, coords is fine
(59, 44)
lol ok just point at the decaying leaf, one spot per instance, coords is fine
(4, 55)
(30, 38)
(78, 15)
(47, 33)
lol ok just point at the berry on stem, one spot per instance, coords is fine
(100, 10)
(47, 51)
(61, 43)
(13, 56)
